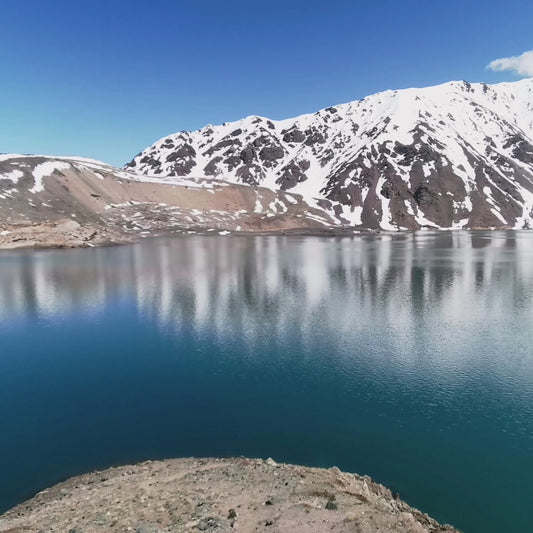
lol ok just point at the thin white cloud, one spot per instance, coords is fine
(522, 65)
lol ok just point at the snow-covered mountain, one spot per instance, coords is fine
(456, 155)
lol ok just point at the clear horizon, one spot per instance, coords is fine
(107, 80)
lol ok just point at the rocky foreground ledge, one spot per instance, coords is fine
(190, 495)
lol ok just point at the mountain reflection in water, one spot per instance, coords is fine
(197, 279)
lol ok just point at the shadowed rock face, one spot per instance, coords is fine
(458, 155)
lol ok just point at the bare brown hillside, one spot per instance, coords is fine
(77, 202)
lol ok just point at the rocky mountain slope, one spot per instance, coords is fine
(47, 201)
(457, 155)
(188, 495)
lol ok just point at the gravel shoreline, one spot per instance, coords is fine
(69, 234)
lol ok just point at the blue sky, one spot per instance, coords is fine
(105, 79)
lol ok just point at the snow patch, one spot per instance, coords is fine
(13, 176)
(45, 170)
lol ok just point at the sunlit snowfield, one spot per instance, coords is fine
(405, 357)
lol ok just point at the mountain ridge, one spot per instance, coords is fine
(455, 155)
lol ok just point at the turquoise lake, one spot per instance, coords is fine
(407, 357)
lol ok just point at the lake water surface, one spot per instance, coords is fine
(405, 357)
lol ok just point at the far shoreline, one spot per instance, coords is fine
(38, 238)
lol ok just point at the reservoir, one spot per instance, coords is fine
(407, 357)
